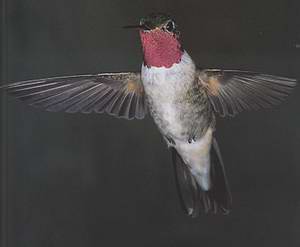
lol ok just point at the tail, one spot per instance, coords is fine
(195, 200)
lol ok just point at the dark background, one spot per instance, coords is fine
(92, 180)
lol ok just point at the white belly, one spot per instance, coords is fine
(197, 156)
(164, 88)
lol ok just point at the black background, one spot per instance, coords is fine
(92, 180)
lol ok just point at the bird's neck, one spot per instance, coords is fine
(161, 49)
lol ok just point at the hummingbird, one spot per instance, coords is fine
(183, 100)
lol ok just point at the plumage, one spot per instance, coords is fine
(194, 199)
(232, 91)
(118, 94)
(180, 110)
(182, 100)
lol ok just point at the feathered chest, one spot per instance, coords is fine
(167, 86)
(170, 93)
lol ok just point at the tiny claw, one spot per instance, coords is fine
(192, 139)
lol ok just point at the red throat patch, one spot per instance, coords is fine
(161, 49)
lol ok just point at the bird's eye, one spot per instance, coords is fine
(170, 26)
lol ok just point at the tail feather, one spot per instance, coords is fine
(220, 191)
(186, 185)
(194, 200)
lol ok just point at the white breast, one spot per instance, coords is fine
(163, 87)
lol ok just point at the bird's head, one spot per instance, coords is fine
(160, 40)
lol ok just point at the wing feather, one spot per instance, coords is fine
(232, 91)
(118, 94)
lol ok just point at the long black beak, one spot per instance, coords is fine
(140, 26)
(133, 26)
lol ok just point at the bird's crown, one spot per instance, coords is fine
(158, 20)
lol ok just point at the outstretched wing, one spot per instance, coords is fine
(118, 94)
(232, 91)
